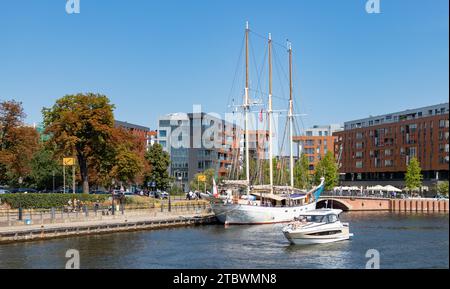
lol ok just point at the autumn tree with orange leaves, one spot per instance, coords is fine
(18, 143)
(82, 125)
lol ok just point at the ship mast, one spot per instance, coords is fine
(270, 115)
(246, 111)
(291, 117)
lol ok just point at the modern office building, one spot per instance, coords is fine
(379, 148)
(316, 142)
(197, 142)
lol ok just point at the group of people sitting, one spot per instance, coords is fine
(193, 195)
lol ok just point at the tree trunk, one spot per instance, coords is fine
(84, 173)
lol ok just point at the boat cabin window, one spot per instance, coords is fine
(332, 218)
(314, 219)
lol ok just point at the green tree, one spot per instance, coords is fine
(158, 161)
(302, 178)
(327, 168)
(127, 165)
(413, 176)
(442, 188)
(45, 168)
(195, 184)
(80, 124)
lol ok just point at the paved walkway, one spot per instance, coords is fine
(109, 220)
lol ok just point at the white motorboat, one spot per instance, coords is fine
(317, 227)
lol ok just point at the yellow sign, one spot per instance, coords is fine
(68, 161)
(201, 178)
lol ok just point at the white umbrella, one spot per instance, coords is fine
(390, 188)
(376, 188)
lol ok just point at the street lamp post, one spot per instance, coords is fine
(112, 198)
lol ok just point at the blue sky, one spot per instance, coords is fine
(157, 57)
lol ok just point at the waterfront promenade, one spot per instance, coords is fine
(70, 224)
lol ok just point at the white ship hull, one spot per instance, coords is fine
(239, 214)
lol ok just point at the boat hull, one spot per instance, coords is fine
(239, 214)
(298, 238)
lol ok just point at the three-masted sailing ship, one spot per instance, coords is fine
(264, 204)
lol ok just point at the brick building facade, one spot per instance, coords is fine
(380, 148)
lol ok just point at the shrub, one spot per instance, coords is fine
(46, 201)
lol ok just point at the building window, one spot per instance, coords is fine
(388, 163)
(359, 164)
(163, 143)
(412, 152)
(311, 159)
(309, 142)
(162, 133)
(359, 135)
(359, 145)
(443, 123)
(358, 155)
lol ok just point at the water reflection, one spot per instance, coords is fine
(404, 241)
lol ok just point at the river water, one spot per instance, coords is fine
(403, 240)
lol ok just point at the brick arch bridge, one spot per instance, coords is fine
(354, 203)
(351, 203)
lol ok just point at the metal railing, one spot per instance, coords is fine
(15, 217)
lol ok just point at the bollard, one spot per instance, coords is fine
(20, 213)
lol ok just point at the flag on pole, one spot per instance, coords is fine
(215, 192)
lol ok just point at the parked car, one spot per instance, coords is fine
(162, 195)
(23, 190)
(128, 194)
(99, 192)
(4, 191)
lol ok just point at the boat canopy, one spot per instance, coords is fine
(235, 182)
(297, 196)
(271, 196)
(280, 197)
